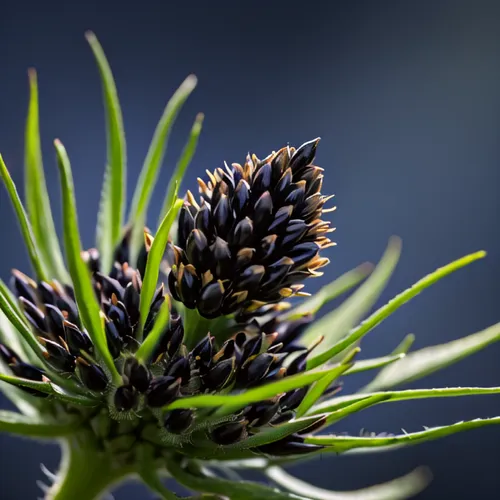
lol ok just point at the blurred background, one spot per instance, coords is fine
(406, 99)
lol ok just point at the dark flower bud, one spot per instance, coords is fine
(131, 300)
(258, 367)
(113, 339)
(92, 375)
(137, 374)
(230, 433)
(125, 398)
(220, 374)
(203, 352)
(178, 421)
(291, 400)
(54, 321)
(33, 314)
(261, 413)
(162, 390)
(210, 300)
(58, 356)
(179, 368)
(30, 372)
(23, 286)
(76, 339)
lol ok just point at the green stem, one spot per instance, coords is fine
(85, 473)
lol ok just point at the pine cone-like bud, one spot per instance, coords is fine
(254, 236)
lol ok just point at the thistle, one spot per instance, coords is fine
(183, 352)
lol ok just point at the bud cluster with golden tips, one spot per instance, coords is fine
(254, 236)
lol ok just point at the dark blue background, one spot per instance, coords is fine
(406, 98)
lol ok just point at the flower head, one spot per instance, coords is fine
(135, 371)
(254, 236)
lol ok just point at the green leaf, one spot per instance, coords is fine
(15, 423)
(243, 490)
(418, 364)
(49, 388)
(152, 164)
(113, 194)
(405, 345)
(272, 434)
(329, 292)
(354, 407)
(234, 400)
(372, 364)
(148, 346)
(86, 300)
(22, 218)
(340, 402)
(397, 489)
(336, 324)
(340, 444)
(378, 316)
(155, 256)
(36, 195)
(319, 387)
(20, 325)
(182, 165)
(8, 334)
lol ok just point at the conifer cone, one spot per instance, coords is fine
(253, 237)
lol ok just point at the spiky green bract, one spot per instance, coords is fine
(35, 191)
(80, 275)
(114, 189)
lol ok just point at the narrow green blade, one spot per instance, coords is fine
(418, 364)
(22, 218)
(339, 444)
(182, 165)
(15, 423)
(243, 490)
(378, 316)
(80, 275)
(401, 488)
(267, 391)
(374, 363)
(36, 195)
(336, 324)
(155, 257)
(339, 402)
(148, 346)
(49, 388)
(114, 191)
(152, 164)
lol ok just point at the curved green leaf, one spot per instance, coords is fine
(113, 194)
(148, 346)
(152, 164)
(155, 256)
(418, 364)
(410, 394)
(15, 423)
(336, 324)
(374, 363)
(22, 218)
(339, 444)
(397, 489)
(183, 163)
(231, 401)
(378, 316)
(243, 490)
(36, 195)
(80, 275)
(48, 388)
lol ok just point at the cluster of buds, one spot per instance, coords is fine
(254, 236)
